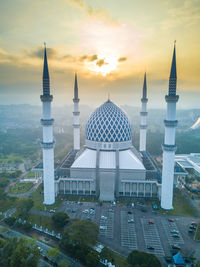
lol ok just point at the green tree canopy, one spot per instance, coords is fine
(92, 259)
(80, 233)
(60, 219)
(106, 254)
(53, 253)
(142, 259)
(4, 182)
(19, 253)
(78, 239)
(23, 207)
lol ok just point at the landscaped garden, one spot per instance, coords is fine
(20, 188)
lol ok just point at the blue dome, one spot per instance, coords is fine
(108, 124)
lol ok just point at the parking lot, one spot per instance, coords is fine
(125, 228)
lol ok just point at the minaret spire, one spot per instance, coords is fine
(173, 75)
(144, 95)
(48, 143)
(169, 146)
(76, 115)
(76, 88)
(46, 79)
(143, 115)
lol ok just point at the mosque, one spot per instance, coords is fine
(108, 165)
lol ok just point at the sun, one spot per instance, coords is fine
(104, 64)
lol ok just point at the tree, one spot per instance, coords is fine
(60, 219)
(64, 263)
(142, 259)
(106, 254)
(78, 239)
(4, 182)
(10, 221)
(92, 258)
(80, 233)
(19, 252)
(23, 207)
(53, 253)
(3, 195)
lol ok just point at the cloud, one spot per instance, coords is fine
(89, 58)
(68, 58)
(101, 62)
(188, 14)
(122, 59)
(78, 3)
(100, 13)
(38, 52)
(93, 58)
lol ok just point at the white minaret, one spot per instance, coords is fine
(76, 114)
(48, 142)
(169, 146)
(143, 114)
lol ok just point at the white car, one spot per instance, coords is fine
(132, 205)
(103, 227)
(103, 217)
(86, 211)
(131, 221)
(52, 211)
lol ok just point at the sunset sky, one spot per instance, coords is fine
(110, 43)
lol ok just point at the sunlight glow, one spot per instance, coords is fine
(103, 65)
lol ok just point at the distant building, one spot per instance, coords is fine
(189, 161)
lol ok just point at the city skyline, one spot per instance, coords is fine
(110, 45)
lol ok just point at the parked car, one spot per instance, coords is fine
(171, 220)
(191, 231)
(103, 217)
(85, 211)
(103, 227)
(176, 247)
(131, 221)
(176, 235)
(52, 211)
(150, 222)
(194, 224)
(174, 231)
(144, 210)
(150, 248)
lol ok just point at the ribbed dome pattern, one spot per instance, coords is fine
(108, 123)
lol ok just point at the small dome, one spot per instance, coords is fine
(108, 124)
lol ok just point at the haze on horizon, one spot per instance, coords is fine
(109, 43)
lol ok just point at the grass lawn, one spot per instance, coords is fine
(20, 188)
(30, 175)
(80, 198)
(181, 205)
(38, 198)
